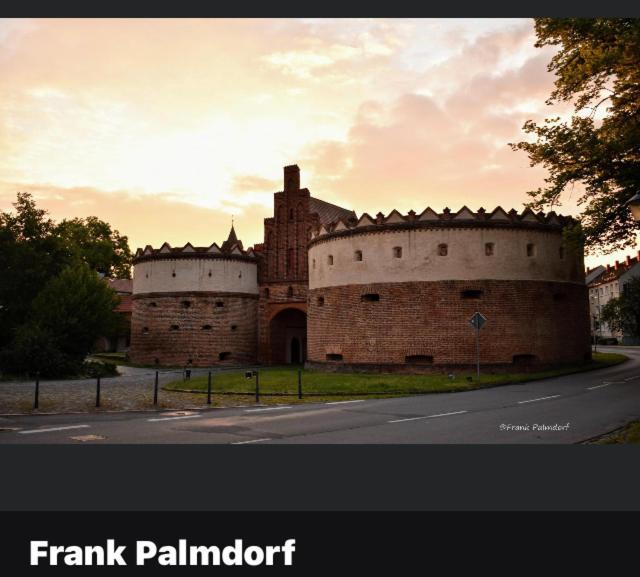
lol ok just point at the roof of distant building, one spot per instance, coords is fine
(121, 285)
(615, 271)
(593, 274)
(328, 212)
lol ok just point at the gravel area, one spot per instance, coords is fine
(131, 391)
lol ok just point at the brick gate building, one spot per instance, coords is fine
(387, 293)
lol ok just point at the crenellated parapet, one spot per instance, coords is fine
(430, 219)
(167, 252)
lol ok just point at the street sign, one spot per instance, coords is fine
(478, 320)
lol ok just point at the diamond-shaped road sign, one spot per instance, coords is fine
(477, 320)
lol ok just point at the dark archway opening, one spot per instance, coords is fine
(288, 337)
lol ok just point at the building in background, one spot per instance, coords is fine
(120, 341)
(605, 285)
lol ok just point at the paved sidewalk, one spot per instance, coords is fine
(132, 390)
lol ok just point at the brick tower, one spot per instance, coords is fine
(283, 272)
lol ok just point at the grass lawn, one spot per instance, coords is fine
(280, 381)
(629, 434)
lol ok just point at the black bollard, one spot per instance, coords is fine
(98, 391)
(257, 387)
(36, 400)
(155, 390)
(209, 389)
(299, 383)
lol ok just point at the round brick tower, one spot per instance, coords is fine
(195, 304)
(397, 293)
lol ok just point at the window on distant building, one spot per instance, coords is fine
(357, 255)
(330, 260)
(531, 249)
(489, 248)
(320, 301)
(397, 252)
(443, 250)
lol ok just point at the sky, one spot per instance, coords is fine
(166, 128)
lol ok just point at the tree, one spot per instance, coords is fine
(94, 242)
(622, 314)
(34, 254)
(597, 69)
(30, 254)
(65, 320)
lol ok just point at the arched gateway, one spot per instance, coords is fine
(288, 337)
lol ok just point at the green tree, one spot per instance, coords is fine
(597, 69)
(34, 254)
(622, 314)
(30, 254)
(93, 241)
(65, 320)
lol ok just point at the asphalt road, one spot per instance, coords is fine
(574, 408)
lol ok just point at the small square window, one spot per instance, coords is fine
(397, 252)
(357, 255)
(489, 249)
(531, 249)
(443, 250)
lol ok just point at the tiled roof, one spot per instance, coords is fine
(329, 212)
(121, 285)
(616, 271)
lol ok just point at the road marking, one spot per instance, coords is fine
(598, 386)
(266, 409)
(538, 399)
(345, 402)
(427, 417)
(632, 378)
(173, 418)
(52, 429)
(252, 441)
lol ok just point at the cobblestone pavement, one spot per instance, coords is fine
(132, 390)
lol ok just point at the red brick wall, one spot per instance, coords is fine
(284, 261)
(191, 341)
(286, 235)
(546, 319)
(277, 300)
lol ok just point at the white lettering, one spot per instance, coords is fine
(37, 550)
(145, 550)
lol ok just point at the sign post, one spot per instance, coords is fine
(477, 321)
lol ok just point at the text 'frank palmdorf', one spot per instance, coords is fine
(167, 555)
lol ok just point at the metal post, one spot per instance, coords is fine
(36, 399)
(257, 387)
(478, 350)
(299, 383)
(209, 389)
(98, 391)
(155, 390)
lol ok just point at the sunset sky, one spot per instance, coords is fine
(165, 128)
